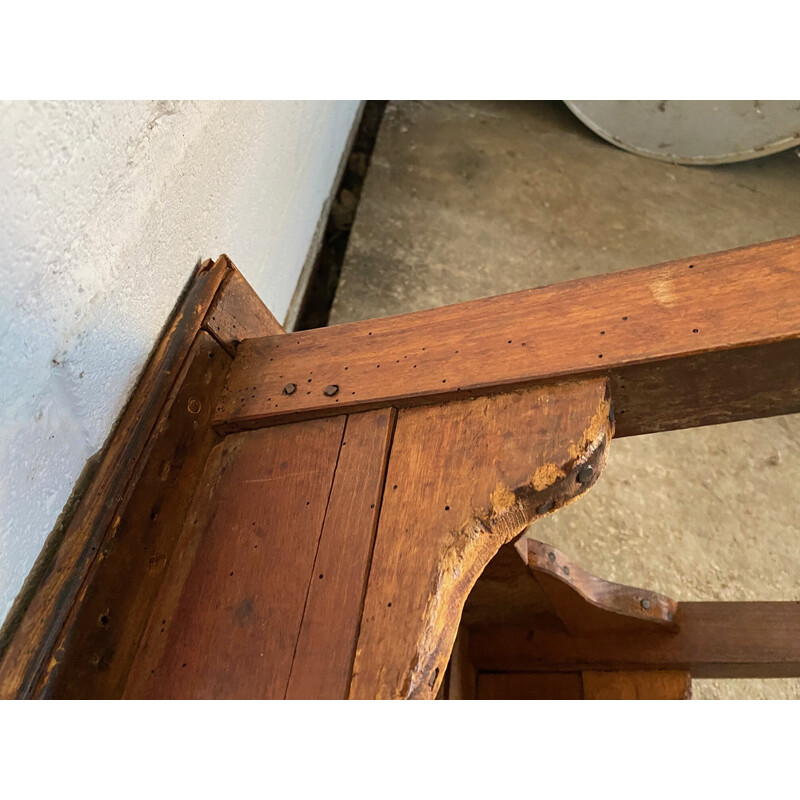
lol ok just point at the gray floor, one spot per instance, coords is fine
(467, 200)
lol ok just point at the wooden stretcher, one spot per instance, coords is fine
(341, 512)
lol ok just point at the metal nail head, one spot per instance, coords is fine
(290, 388)
(330, 390)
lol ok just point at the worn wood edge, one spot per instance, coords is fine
(510, 511)
(258, 321)
(55, 676)
(46, 598)
(618, 600)
(234, 417)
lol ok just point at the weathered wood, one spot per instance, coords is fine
(323, 660)
(227, 620)
(529, 686)
(465, 478)
(649, 685)
(587, 604)
(239, 313)
(96, 648)
(691, 342)
(715, 640)
(65, 563)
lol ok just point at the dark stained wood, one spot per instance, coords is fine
(691, 342)
(650, 685)
(228, 617)
(96, 648)
(465, 478)
(32, 630)
(239, 313)
(587, 604)
(529, 686)
(715, 640)
(507, 593)
(462, 679)
(323, 661)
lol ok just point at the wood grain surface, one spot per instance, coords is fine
(464, 478)
(238, 313)
(323, 660)
(649, 685)
(715, 640)
(529, 686)
(588, 604)
(691, 342)
(227, 620)
(31, 630)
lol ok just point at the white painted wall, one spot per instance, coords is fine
(104, 210)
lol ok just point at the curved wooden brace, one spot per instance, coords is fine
(587, 604)
(463, 479)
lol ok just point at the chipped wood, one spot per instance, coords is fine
(465, 478)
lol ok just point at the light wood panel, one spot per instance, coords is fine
(323, 661)
(650, 685)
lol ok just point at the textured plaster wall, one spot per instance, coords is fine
(104, 210)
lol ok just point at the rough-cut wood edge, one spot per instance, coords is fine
(570, 589)
(48, 596)
(455, 570)
(674, 334)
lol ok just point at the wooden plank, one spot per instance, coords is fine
(465, 478)
(715, 640)
(96, 648)
(587, 604)
(239, 313)
(323, 661)
(650, 685)
(691, 342)
(227, 619)
(45, 601)
(529, 686)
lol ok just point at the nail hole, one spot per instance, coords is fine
(694, 330)
(447, 508)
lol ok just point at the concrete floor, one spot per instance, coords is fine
(472, 199)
